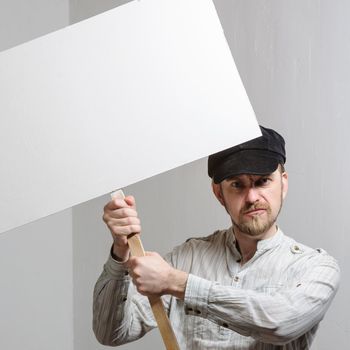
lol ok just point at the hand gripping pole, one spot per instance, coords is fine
(157, 306)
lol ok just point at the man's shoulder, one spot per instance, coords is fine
(197, 244)
(216, 235)
(298, 249)
(194, 249)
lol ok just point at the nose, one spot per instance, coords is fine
(252, 195)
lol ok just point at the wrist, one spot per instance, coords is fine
(178, 283)
(120, 254)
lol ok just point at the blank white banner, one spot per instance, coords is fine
(112, 100)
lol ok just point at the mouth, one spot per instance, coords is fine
(253, 212)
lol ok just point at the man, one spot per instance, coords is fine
(247, 287)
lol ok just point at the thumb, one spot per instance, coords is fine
(130, 200)
(151, 254)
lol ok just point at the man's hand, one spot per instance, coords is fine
(153, 276)
(121, 218)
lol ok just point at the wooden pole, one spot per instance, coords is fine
(157, 306)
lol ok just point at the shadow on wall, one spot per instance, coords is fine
(83, 9)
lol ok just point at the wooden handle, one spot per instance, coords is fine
(157, 305)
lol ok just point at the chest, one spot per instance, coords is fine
(266, 272)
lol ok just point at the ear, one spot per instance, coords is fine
(284, 184)
(218, 192)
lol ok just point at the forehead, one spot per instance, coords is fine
(247, 177)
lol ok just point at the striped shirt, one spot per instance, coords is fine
(274, 301)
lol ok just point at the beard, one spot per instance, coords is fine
(256, 225)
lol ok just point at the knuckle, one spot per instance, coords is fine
(137, 221)
(122, 232)
(105, 218)
(136, 263)
(141, 289)
(129, 220)
(123, 212)
(134, 228)
(109, 223)
(127, 230)
(131, 263)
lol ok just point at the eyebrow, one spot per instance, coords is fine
(232, 178)
(237, 177)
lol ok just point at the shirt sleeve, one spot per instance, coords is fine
(120, 314)
(276, 318)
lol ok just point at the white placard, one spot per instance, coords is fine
(112, 100)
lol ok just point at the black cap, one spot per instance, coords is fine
(259, 156)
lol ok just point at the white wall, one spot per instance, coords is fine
(36, 298)
(293, 58)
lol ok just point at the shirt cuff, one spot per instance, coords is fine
(196, 296)
(116, 269)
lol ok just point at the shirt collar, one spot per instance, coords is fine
(264, 244)
(231, 243)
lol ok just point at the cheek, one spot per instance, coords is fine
(234, 208)
(275, 199)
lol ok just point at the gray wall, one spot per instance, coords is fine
(180, 201)
(36, 285)
(24, 20)
(172, 206)
(82, 9)
(293, 58)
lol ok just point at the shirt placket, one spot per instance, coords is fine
(239, 272)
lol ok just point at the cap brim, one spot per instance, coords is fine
(253, 162)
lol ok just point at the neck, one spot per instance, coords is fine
(247, 244)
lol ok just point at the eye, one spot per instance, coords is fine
(236, 185)
(264, 181)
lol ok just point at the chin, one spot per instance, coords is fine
(255, 228)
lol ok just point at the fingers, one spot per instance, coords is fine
(121, 213)
(117, 203)
(121, 217)
(149, 274)
(130, 200)
(123, 230)
(121, 224)
(155, 254)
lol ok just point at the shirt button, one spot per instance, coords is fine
(295, 249)
(236, 278)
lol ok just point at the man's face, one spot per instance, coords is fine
(253, 201)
